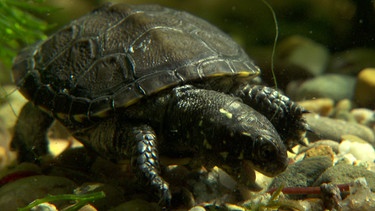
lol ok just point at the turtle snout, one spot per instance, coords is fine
(270, 156)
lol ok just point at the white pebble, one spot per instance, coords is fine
(361, 151)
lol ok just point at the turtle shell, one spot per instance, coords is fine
(118, 54)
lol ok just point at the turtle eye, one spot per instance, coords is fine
(267, 152)
(268, 156)
(267, 148)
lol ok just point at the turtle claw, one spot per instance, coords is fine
(290, 144)
(284, 114)
(165, 197)
(301, 142)
(304, 111)
(291, 150)
(308, 129)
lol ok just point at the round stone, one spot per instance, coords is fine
(365, 88)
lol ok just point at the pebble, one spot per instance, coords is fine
(360, 198)
(344, 105)
(74, 163)
(216, 206)
(321, 106)
(22, 167)
(58, 146)
(331, 196)
(345, 174)
(365, 88)
(352, 61)
(21, 192)
(233, 207)
(137, 204)
(316, 204)
(87, 207)
(332, 144)
(333, 86)
(223, 177)
(353, 139)
(302, 173)
(51, 207)
(197, 208)
(211, 185)
(75, 158)
(342, 110)
(4, 158)
(113, 195)
(333, 129)
(364, 116)
(14, 104)
(303, 56)
(359, 148)
(182, 197)
(280, 202)
(345, 159)
(321, 150)
(176, 174)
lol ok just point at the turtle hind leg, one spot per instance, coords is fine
(284, 114)
(30, 134)
(117, 140)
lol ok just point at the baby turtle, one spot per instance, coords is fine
(133, 82)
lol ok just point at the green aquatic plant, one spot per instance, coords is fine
(81, 200)
(275, 40)
(272, 202)
(20, 26)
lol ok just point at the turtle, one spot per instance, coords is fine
(133, 82)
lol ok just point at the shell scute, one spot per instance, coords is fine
(118, 54)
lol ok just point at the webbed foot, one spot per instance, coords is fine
(285, 114)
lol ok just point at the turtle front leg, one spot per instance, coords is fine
(30, 134)
(118, 141)
(145, 162)
(284, 114)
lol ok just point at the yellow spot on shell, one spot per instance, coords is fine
(44, 109)
(79, 117)
(246, 134)
(102, 114)
(61, 116)
(226, 113)
(244, 74)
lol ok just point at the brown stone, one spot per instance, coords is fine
(320, 151)
(321, 106)
(365, 88)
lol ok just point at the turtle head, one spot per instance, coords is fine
(257, 141)
(265, 153)
(226, 126)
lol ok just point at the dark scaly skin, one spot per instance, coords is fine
(206, 121)
(113, 79)
(30, 138)
(284, 114)
(117, 140)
